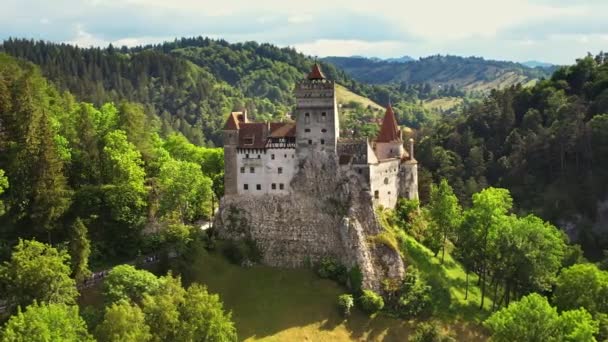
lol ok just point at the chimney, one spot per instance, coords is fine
(411, 149)
(245, 115)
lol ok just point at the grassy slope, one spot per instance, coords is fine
(344, 96)
(273, 304)
(442, 103)
(448, 281)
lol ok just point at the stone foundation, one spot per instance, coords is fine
(328, 213)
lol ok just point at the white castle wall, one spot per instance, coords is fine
(384, 182)
(266, 171)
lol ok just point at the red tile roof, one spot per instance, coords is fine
(253, 134)
(256, 134)
(282, 129)
(232, 124)
(389, 130)
(316, 73)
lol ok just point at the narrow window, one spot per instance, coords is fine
(274, 186)
(281, 186)
(285, 155)
(307, 118)
(280, 170)
(360, 171)
(259, 156)
(272, 156)
(323, 116)
(247, 156)
(258, 187)
(309, 142)
(245, 186)
(376, 194)
(252, 170)
(322, 141)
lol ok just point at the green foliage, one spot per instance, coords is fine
(203, 317)
(546, 144)
(429, 332)
(33, 151)
(161, 308)
(582, 286)
(445, 212)
(238, 251)
(3, 186)
(123, 322)
(414, 297)
(533, 319)
(37, 271)
(355, 279)
(46, 322)
(184, 189)
(371, 302)
(331, 268)
(345, 304)
(125, 282)
(80, 249)
(176, 314)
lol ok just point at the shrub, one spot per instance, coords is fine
(345, 303)
(242, 250)
(371, 302)
(355, 278)
(428, 332)
(330, 268)
(415, 298)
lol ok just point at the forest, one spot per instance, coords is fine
(187, 82)
(110, 155)
(546, 144)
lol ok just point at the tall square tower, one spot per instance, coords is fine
(317, 122)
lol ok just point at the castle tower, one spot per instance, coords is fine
(389, 143)
(231, 140)
(316, 114)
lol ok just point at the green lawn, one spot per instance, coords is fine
(448, 281)
(274, 304)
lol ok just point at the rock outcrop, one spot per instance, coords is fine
(328, 213)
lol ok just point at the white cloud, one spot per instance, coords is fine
(552, 30)
(330, 47)
(86, 39)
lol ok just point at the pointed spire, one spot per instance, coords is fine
(316, 73)
(389, 130)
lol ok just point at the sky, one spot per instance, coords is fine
(554, 31)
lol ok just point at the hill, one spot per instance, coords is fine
(470, 73)
(190, 85)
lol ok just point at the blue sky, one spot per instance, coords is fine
(556, 31)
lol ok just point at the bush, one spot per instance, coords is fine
(371, 302)
(428, 332)
(330, 268)
(242, 250)
(415, 298)
(345, 303)
(356, 279)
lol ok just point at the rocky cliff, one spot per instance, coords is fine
(328, 213)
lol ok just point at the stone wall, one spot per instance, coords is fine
(328, 213)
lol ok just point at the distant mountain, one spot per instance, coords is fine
(471, 73)
(537, 64)
(403, 59)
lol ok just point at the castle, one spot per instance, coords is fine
(263, 157)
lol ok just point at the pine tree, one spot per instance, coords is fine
(80, 249)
